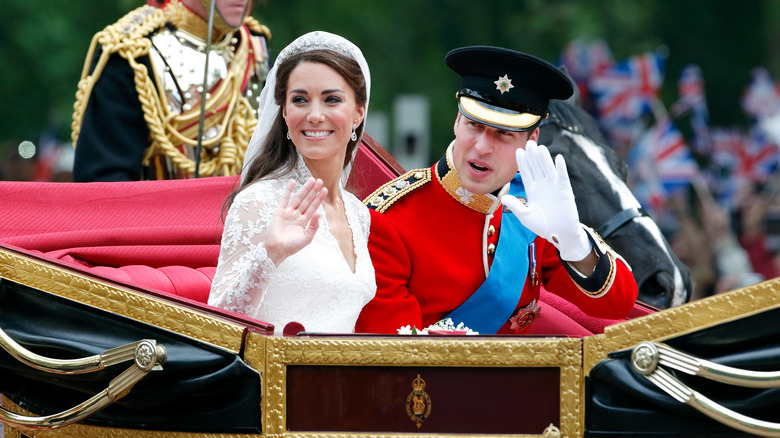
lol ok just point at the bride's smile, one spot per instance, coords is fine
(320, 112)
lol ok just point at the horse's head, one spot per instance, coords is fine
(605, 203)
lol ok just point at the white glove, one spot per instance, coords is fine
(550, 212)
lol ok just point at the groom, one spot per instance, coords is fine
(473, 240)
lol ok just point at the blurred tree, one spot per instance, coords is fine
(726, 39)
(43, 48)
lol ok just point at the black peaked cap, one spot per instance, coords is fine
(506, 88)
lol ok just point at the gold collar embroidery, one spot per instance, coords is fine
(188, 21)
(449, 179)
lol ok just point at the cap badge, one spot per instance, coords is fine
(504, 84)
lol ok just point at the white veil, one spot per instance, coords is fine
(268, 109)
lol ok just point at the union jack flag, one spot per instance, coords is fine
(761, 97)
(576, 58)
(690, 87)
(629, 88)
(726, 144)
(758, 159)
(584, 60)
(622, 133)
(664, 152)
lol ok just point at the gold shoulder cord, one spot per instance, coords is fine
(226, 106)
(255, 26)
(126, 37)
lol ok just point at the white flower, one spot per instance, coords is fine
(445, 324)
(465, 196)
(407, 330)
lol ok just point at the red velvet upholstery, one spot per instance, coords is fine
(560, 316)
(158, 235)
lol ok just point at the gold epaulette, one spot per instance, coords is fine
(256, 27)
(126, 36)
(128, 30)
(388, 194)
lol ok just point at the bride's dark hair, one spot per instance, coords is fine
(278, 155)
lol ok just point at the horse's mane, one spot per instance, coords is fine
(570, 117)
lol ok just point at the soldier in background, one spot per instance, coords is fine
(138, 102)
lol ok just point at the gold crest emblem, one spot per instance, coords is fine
(418, 404)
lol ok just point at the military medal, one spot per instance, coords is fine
(532, 264)
(525, 316)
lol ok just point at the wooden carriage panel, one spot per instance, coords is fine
(474, 400)
(473, 385)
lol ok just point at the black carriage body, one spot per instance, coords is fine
(202, 388)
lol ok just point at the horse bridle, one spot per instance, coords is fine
(619, 220)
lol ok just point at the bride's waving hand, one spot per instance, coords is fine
(295, 220)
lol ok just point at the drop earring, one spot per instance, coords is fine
(288, 135)
(354, 134)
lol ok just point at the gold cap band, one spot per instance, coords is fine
(478, 111)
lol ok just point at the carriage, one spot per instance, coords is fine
(106, 332)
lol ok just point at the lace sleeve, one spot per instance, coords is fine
(244, 270)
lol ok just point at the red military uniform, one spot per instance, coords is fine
(432, 244)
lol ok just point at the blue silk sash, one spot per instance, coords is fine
(494, 302)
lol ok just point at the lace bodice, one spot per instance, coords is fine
(315, 287)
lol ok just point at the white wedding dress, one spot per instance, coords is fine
(315, 287)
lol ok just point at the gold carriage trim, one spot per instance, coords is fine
(226, 108)
(391, 192)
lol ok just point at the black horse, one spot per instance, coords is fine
(605, 203)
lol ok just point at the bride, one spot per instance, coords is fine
(301, 256)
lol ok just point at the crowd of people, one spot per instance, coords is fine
(727, 249)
